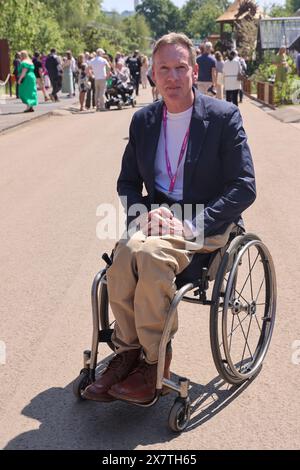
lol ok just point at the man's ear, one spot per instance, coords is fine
(195, 73)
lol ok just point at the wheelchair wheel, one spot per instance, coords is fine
(106, 322)
(180, 414)
(80, 384)
(243, 309)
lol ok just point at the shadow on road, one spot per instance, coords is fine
(68, 424)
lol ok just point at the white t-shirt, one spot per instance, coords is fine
(99, 65)
(177, 125)
(230, 70)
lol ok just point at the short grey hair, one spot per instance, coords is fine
(179, 39)
(208, 46)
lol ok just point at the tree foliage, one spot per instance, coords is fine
(28, 24)
(292, 6)
(162, 16)
(203, 21)
(288, 9)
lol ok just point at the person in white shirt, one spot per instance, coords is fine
(100, 68)
(187, 149)
(231, 73)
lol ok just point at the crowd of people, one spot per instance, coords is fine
(90, 73)
(220, 76)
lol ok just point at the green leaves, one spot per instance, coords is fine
(162, 16)
(202, 22)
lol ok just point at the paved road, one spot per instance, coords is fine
(12, 110)
(53, 175)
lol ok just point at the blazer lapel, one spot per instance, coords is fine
(199, 125)
(152, 133)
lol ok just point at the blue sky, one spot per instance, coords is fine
(121, 5)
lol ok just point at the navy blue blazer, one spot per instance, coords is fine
(218, 169)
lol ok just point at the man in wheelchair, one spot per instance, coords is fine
(186, 149)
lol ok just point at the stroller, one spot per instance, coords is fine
(119, 94)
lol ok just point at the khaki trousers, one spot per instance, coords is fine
(203, 87)
(100, 86)
(141, 286)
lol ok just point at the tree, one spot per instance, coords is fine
(162, 16)
(28, 24)
(137, 31)
(278, 11)
(292, 6)
(203, 21)
(74, 13)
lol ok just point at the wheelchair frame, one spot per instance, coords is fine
(225, 297)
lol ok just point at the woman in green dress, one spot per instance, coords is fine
(27, 82)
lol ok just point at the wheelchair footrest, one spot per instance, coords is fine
(105, 336)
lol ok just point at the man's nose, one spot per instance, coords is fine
(173, 74)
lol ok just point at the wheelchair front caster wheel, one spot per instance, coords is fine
(180, 414)
(80, 384)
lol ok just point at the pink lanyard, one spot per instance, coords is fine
(181, 155)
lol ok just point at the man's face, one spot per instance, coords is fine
(173, 72)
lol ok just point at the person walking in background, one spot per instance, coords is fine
(74, 70)
(134, 64)
(67, 78)
(144, 70)
(231, 71)
(27, 82)
(100, 68)
(207, 74)
(220, 76)
(83, 83)
(154, 89)
(39, 74)
(16, 64)
(55, 73)
(91, 92)
(242, 74)
(47, 82)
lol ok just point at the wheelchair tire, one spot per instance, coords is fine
(105, 321)
(245, 287)
(80, 384)
(180, 414)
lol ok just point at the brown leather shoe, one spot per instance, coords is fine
(140, 385)
(117, 370)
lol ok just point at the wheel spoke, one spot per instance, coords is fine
(232, 323)
(245, 337)
(230, 334)
(250, 272)
(257, 323)
(240, 295)
(260, 288)
(245, 343)
(251, 286)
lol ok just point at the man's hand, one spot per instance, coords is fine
(161, 222)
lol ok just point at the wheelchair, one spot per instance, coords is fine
(242, 284)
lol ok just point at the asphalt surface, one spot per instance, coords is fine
(12, 110)
(54, 174)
